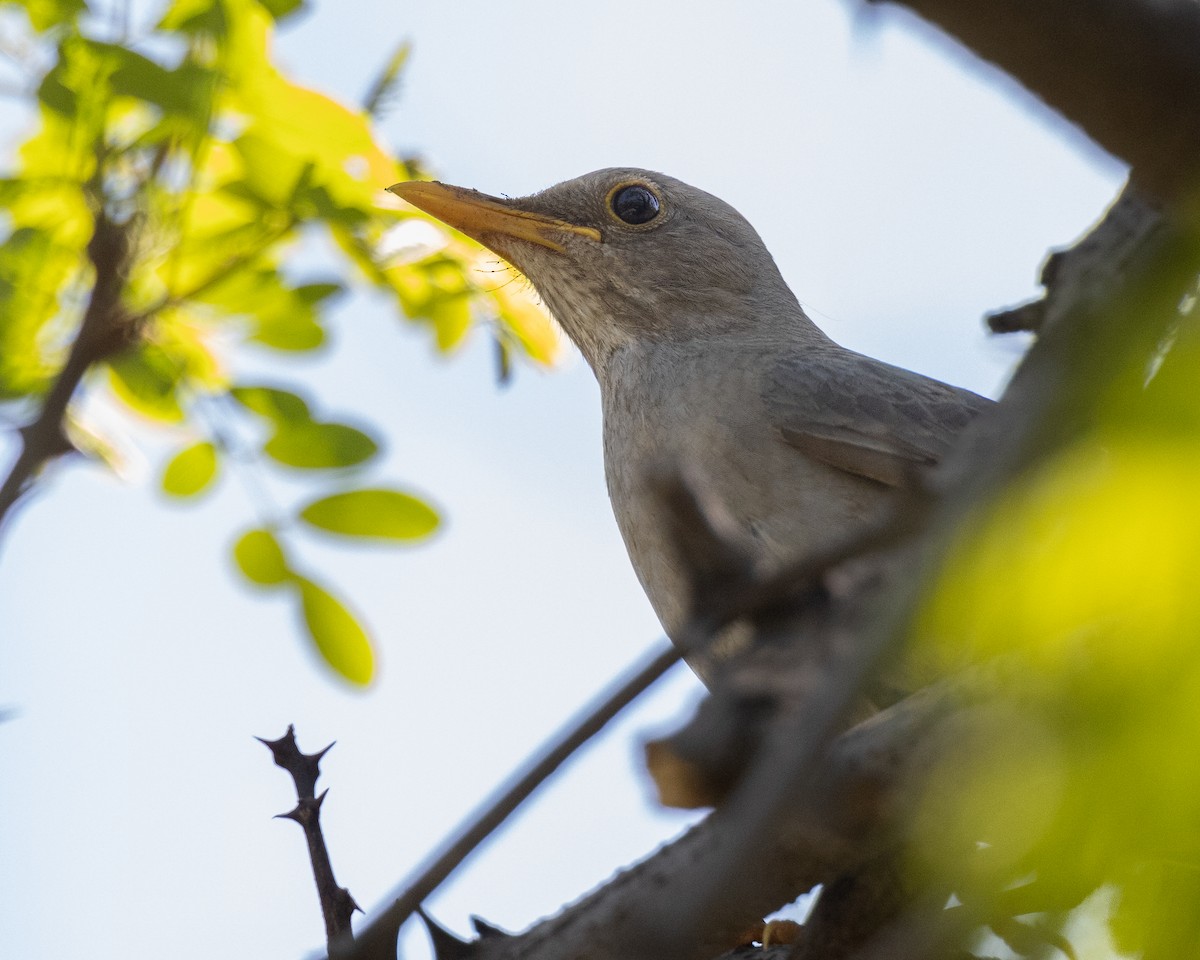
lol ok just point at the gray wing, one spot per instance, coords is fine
(864, 416)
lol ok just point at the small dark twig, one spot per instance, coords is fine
(337, 905)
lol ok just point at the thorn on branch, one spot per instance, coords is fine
(337, 905)
(305, 768)
(446, 946)
(485, 930)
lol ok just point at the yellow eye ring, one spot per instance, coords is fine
(634, 204)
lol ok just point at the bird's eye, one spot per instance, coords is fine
(634, 204)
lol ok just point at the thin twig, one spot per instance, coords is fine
(378, 940)
(337, 905)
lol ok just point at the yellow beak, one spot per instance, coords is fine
(478, 215)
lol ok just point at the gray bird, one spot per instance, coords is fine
(706, 359)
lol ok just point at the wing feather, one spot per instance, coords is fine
(864, 416)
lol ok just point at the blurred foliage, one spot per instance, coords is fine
(215, 164)
(1080, 585)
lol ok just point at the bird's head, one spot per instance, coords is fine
(622, 255)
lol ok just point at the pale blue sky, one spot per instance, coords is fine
(902, 195)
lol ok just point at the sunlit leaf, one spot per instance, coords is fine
(44, 14)
(1081, 587)
(291, 129)
(185, 343)
(339, 637)
(34, 271)
(280, 316)
(279, 406)
(283, 8)
(190, 471)
(184, 91)
(77, 86)
(59, 156)
(320, 446)
(146, 380)
(260, 557)
(205, 265)
(293, 321)
(522, 314)
(451, 318)
(293, 334)
(195, 16)
(373, 513)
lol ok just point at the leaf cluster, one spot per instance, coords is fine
(188, 144)
(1081, 582)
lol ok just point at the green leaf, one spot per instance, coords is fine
(260, 557)
(294, 334)
(146, 381)
(185, 91)
(320, 446)
(190, 471)
(195, 16)
(374, 513)
(283, 8)
(34, 270)
(44, 14)
(282, 407)
(289, 321)
(339, 637)
(451, 316)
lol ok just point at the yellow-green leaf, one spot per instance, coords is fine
(339, 637)
(44, 14)
(279, 406)
(282, 8)
(190, 471)
(260, 557)
(194, 16)
(34, 271)
(451, 318)
(320, 446)
(293, 334)
(375, 513)
(147, 381)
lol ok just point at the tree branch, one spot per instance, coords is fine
(1127, 72)
(839, 819)
(337, 905)
(105, 330)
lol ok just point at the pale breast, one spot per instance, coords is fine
(670, 405)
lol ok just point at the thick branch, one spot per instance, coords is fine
(1091, 271)
(1126, 71)
(838, 820)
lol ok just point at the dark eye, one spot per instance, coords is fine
(634, 204)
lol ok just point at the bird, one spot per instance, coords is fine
(705, 358)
